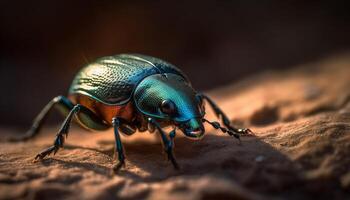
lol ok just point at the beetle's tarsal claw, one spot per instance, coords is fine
(46, 152)
(116, 168)
(55, 151)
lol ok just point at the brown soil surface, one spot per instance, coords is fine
(300, 149)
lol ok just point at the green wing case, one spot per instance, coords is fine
(112, 79)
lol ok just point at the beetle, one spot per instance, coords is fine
(132, 92)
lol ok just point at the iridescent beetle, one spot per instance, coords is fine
(132, 92)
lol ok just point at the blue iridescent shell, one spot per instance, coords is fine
(113, 79)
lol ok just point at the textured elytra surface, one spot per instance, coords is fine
(300, 150)
(112, 79)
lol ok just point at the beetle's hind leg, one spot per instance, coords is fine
(89, 119)
(60, 103)
(225, 120)
(167, 143)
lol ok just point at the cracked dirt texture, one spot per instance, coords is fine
(300, 149)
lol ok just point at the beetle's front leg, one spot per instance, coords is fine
(167, 143)
(225, 120)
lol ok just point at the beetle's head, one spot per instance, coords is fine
(170, 98)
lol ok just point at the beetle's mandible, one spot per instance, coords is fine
(132, 92)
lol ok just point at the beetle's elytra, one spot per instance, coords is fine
(132, 92)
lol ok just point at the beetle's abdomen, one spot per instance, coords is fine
(112, 80)
(105, 112)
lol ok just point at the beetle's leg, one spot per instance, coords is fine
(89, 118)
(61, 103)
(168, 144)
(221, 115)
(118, 145)
(59, 140)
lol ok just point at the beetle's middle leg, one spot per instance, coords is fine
(86, 117)
(167, 143)
(118, 145)
(225, 120)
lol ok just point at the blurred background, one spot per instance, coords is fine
(44, 43)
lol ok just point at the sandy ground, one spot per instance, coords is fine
(300, 150)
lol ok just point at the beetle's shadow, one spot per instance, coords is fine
(253, 163)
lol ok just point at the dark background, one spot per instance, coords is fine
(44, 43)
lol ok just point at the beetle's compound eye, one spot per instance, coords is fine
(168, 107)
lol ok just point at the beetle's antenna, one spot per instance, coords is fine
(217, 125)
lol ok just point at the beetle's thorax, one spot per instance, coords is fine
(155, 89)
(169, 99)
